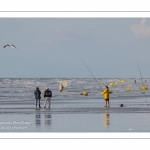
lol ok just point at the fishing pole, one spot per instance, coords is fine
(140, 72)
(141, 78)
(91, 73)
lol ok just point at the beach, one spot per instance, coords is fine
(70, 111)
(77, 116)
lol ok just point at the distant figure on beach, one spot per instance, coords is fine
(135, 81)
(145, 80)
(61, 87)
(47, 96)
(37, 94)
(106, 93)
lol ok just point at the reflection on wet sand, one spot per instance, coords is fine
(42, 119)
(38, 120)
(106, 120)
(47, 119)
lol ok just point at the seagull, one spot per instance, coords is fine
(9, 45)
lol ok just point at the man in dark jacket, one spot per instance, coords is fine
(37, 94)
(47, 96)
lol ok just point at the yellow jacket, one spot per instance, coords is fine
(106, 93)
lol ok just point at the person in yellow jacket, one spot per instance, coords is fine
(106, 93)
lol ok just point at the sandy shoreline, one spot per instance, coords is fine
(77, 116)
(78, 106)
(89, 110)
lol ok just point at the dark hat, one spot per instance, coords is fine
(106, 87)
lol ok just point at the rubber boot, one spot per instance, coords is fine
(39, 106)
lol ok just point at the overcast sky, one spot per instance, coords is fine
(52, 47)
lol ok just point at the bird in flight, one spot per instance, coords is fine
(9, 45)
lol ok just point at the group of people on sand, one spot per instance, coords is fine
(48, 95)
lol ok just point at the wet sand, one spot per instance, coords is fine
(76, 116)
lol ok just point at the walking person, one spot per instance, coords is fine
(47, 96)
(37, 94)
(106, 93)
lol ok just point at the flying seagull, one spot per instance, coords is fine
(9, 45)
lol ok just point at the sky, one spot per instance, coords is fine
(54, 47)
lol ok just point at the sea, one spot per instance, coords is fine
(72, 112)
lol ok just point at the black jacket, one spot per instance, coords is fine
(48, 93)
(37, 94)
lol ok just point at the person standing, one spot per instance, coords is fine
(106, 93)
(47, 96)
(61, 87)
(37, 94)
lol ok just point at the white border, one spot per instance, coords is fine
(74, 14)
(71, 135)
(74, 5)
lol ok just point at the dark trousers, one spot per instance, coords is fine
(37, 102)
